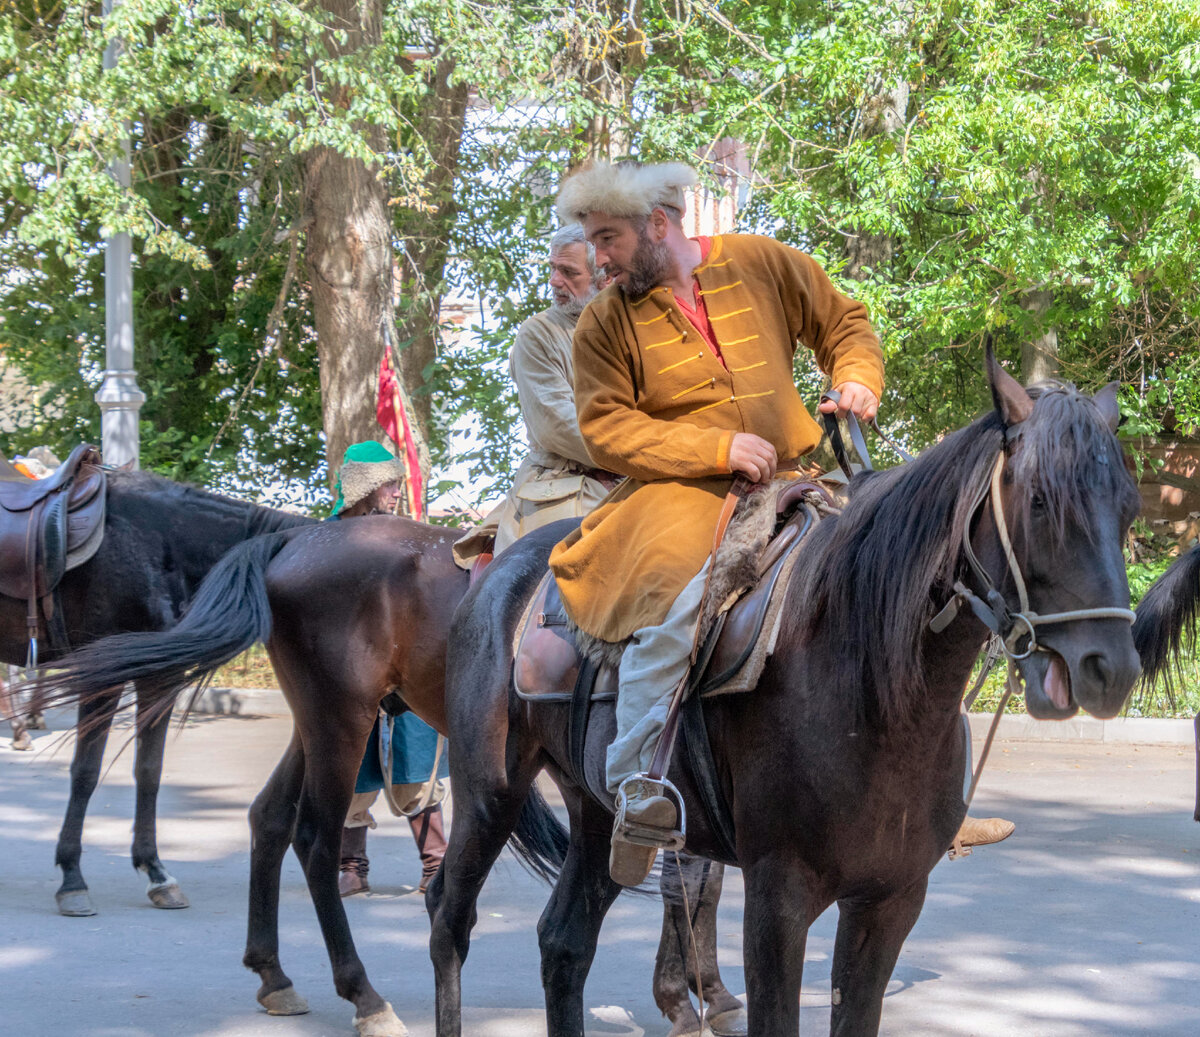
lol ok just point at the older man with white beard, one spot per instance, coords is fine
(557, 479)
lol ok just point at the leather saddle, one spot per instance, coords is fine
(48, 527)
(547, 664)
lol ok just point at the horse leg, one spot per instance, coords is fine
(162, 889)
(869, 937)
(92, 724)
(483, 821)
(272, 821)
(687, 950)
(570, 925)
(324, 799)
(774, 933)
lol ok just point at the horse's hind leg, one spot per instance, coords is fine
(687, 951)
(272, 821)
(92, 724)
(869, 937)
(570, 925)
(163, 890)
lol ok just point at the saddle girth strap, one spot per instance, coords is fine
(704, 773)
(31, 613)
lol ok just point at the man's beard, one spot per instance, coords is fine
(650, 266)
(574, 307)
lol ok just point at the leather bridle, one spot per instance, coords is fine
(992, 609)
(1007, 626)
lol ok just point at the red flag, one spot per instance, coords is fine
(390, 412)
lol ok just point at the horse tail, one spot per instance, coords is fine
(1168, 617)
(229, 612)
(540, 841)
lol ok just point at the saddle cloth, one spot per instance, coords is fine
(49, 526)
(739, 618)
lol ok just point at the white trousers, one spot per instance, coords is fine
(654, 662)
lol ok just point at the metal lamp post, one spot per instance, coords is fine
(119, 397)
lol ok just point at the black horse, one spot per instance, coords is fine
(844, 766)
(160, 540)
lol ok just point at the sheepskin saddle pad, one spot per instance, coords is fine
(739, 617)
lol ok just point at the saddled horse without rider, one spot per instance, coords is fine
(156, 540)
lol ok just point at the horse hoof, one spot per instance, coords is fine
(730, 1023)
(690, 1028)
(22, 741)
(384, 1023)
(283, 1002)
(74, 903)
(168, 897)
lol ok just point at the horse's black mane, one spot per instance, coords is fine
(255, 519)
(889, 562)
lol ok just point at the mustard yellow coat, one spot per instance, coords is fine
(656, 405)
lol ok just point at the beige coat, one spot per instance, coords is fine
(656, 405)
(555, 480)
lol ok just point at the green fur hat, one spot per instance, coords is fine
(365, 467)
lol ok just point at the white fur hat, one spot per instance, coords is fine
(626, 190)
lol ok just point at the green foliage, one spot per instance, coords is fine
(1031, 146)
(1042, 148)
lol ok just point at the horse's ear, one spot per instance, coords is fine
(1106, 403)
(1012, 402)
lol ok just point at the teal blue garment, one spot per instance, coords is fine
(414, 745)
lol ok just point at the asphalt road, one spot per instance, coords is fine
(1086, 923)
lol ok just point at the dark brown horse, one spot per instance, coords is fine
(350, 610)
(160, 540)
(844, 767)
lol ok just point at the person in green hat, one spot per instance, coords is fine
(370, 481)
(404, 756)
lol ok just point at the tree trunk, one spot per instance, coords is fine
(425, 239)
(1039, 354)
(868, 251)
(605, 51)
(349, 257)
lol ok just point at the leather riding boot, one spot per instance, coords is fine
(645, 821)
(430, 836)
(979, 831)
(352, 874)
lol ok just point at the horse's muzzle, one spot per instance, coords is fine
(1073, 673)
